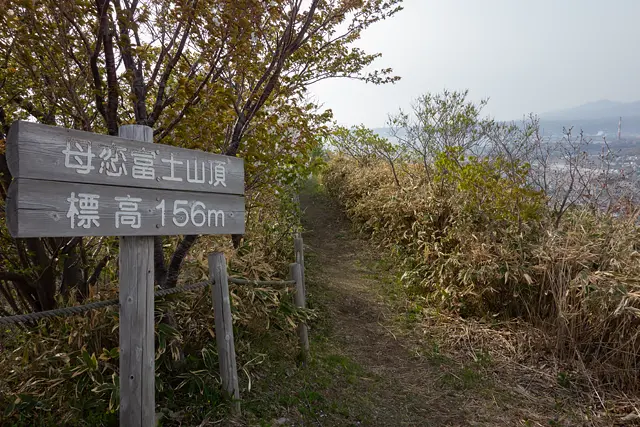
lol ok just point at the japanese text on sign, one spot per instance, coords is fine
(115, 162)
(84, 212)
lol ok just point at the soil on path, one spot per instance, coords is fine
(340, 271)
(385, 381)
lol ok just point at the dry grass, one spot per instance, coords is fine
(64, 371)
(576, 286)
(410, 365)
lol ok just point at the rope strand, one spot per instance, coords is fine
(79, 309)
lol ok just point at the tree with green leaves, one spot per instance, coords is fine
(363, 144)
(226, 76)
(439, 123)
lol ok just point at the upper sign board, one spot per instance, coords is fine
(37, 151)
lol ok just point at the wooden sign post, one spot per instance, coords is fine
(73, 183)
(137, 344)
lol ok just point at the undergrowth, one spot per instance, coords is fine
(64, 371)
(478, 243)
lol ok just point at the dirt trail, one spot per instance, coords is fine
(394, 385)
(405, 393)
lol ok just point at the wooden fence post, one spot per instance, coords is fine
(224, 327)
(137, 345)
(295, 271)
(298, 247)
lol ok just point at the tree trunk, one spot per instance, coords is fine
(236, 239)
(46, 283)
(72, 275)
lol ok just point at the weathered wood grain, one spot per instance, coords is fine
(298, 247)
(295, 272)
(137, 351)
(224, 327)
(36, 151)
(38, 208)
(137, 344)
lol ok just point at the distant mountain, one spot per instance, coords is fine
(595, 118)
(595, 127)
(603, 109)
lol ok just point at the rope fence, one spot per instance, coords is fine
(58, 312)
(240, 281)
(222, 316)
(79, 309)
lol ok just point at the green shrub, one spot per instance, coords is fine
(64, 371)
(478, 241)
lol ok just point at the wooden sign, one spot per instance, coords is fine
(73, 183)
(52, 153)
(37, 208)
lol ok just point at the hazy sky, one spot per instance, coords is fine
(526, 56)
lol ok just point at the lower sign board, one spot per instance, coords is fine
(37, 208)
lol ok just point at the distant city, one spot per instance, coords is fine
(599, 121)
(616, 123)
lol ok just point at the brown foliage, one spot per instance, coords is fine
(577, 282)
